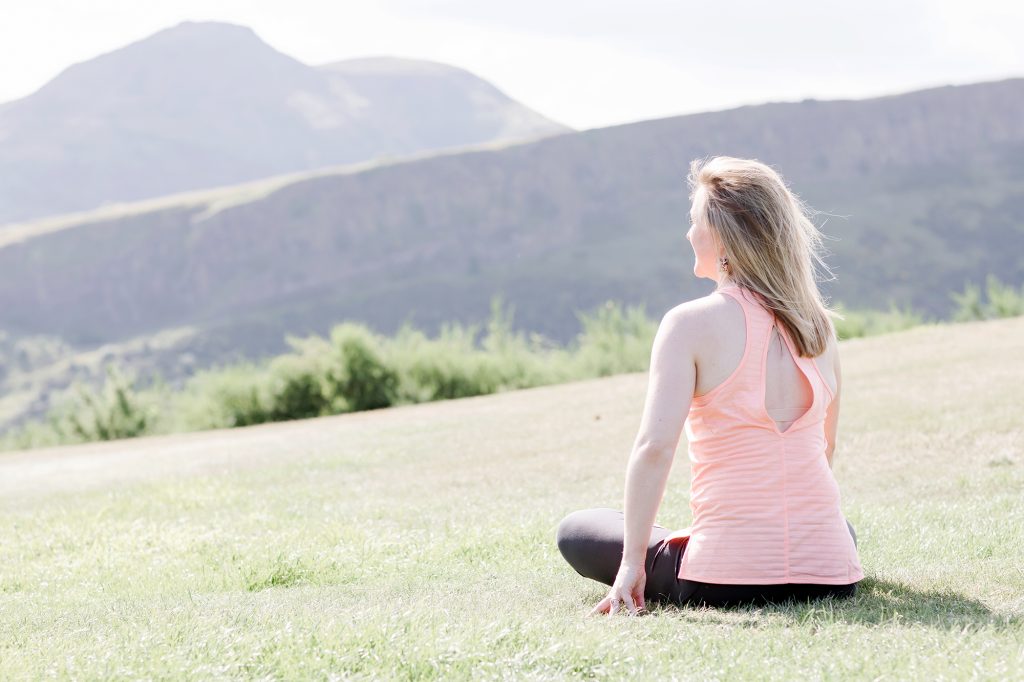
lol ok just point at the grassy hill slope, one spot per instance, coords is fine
(926, 188)
(418, 542)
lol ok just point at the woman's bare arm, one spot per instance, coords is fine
(832, 415)
(670, 384)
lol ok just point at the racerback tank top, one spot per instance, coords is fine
(765, 504)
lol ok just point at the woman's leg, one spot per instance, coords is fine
(591, 540)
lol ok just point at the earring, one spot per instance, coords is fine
(723, 264)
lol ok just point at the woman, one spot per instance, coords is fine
(754, 369)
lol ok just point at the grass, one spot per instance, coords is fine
(418, 542)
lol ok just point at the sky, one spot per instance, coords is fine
(586, 64)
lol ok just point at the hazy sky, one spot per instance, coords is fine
(584, 63)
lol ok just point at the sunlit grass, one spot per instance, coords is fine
(418, 542)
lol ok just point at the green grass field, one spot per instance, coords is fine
(418, 542)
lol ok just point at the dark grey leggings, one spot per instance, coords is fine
(591, 541)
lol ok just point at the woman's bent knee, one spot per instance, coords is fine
(578, 529)
(571, 530)
(590, 540)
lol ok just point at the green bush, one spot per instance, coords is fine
(858, 323)
(1003, 301)
(236, 395)
(117, 410)
(297, 388)
(35, 434)
(614, 340)
(455, 365)
(355, 369)
(358, 378)
(438, 369)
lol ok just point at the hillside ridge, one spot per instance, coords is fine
(204, 104)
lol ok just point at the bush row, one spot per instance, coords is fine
(355, 369)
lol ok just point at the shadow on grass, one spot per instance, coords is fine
(877, 602)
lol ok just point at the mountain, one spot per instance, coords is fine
(921, 193)
(208, 103)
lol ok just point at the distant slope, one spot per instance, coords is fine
(928, 190)
(925, 192)
(209, 103)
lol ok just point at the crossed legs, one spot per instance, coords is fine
(591, 541)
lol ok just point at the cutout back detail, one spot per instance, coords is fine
(775, 375)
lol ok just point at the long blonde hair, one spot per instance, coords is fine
(770, 242)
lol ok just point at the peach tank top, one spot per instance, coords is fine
(766, 507)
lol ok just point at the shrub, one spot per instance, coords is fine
(438, 369)
(296, 389)
(236, 395)
(454, 365)
(1003, 301)
(115, 411)
(357, 376)
(614, 340)
(858, 323)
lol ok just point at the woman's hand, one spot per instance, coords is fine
(628, 588)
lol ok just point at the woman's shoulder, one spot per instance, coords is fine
(707, 318)
(702, 308)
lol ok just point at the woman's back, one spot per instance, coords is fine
(787, 393)
(766, 507)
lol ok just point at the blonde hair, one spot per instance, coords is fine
(770, 242)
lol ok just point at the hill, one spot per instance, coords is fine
(929, 184)
(209, 103)
(332, 545)
(922, 192)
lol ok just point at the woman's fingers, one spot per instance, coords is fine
(638, 598)
(628, 601)
(602, 606)
(611, 604)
